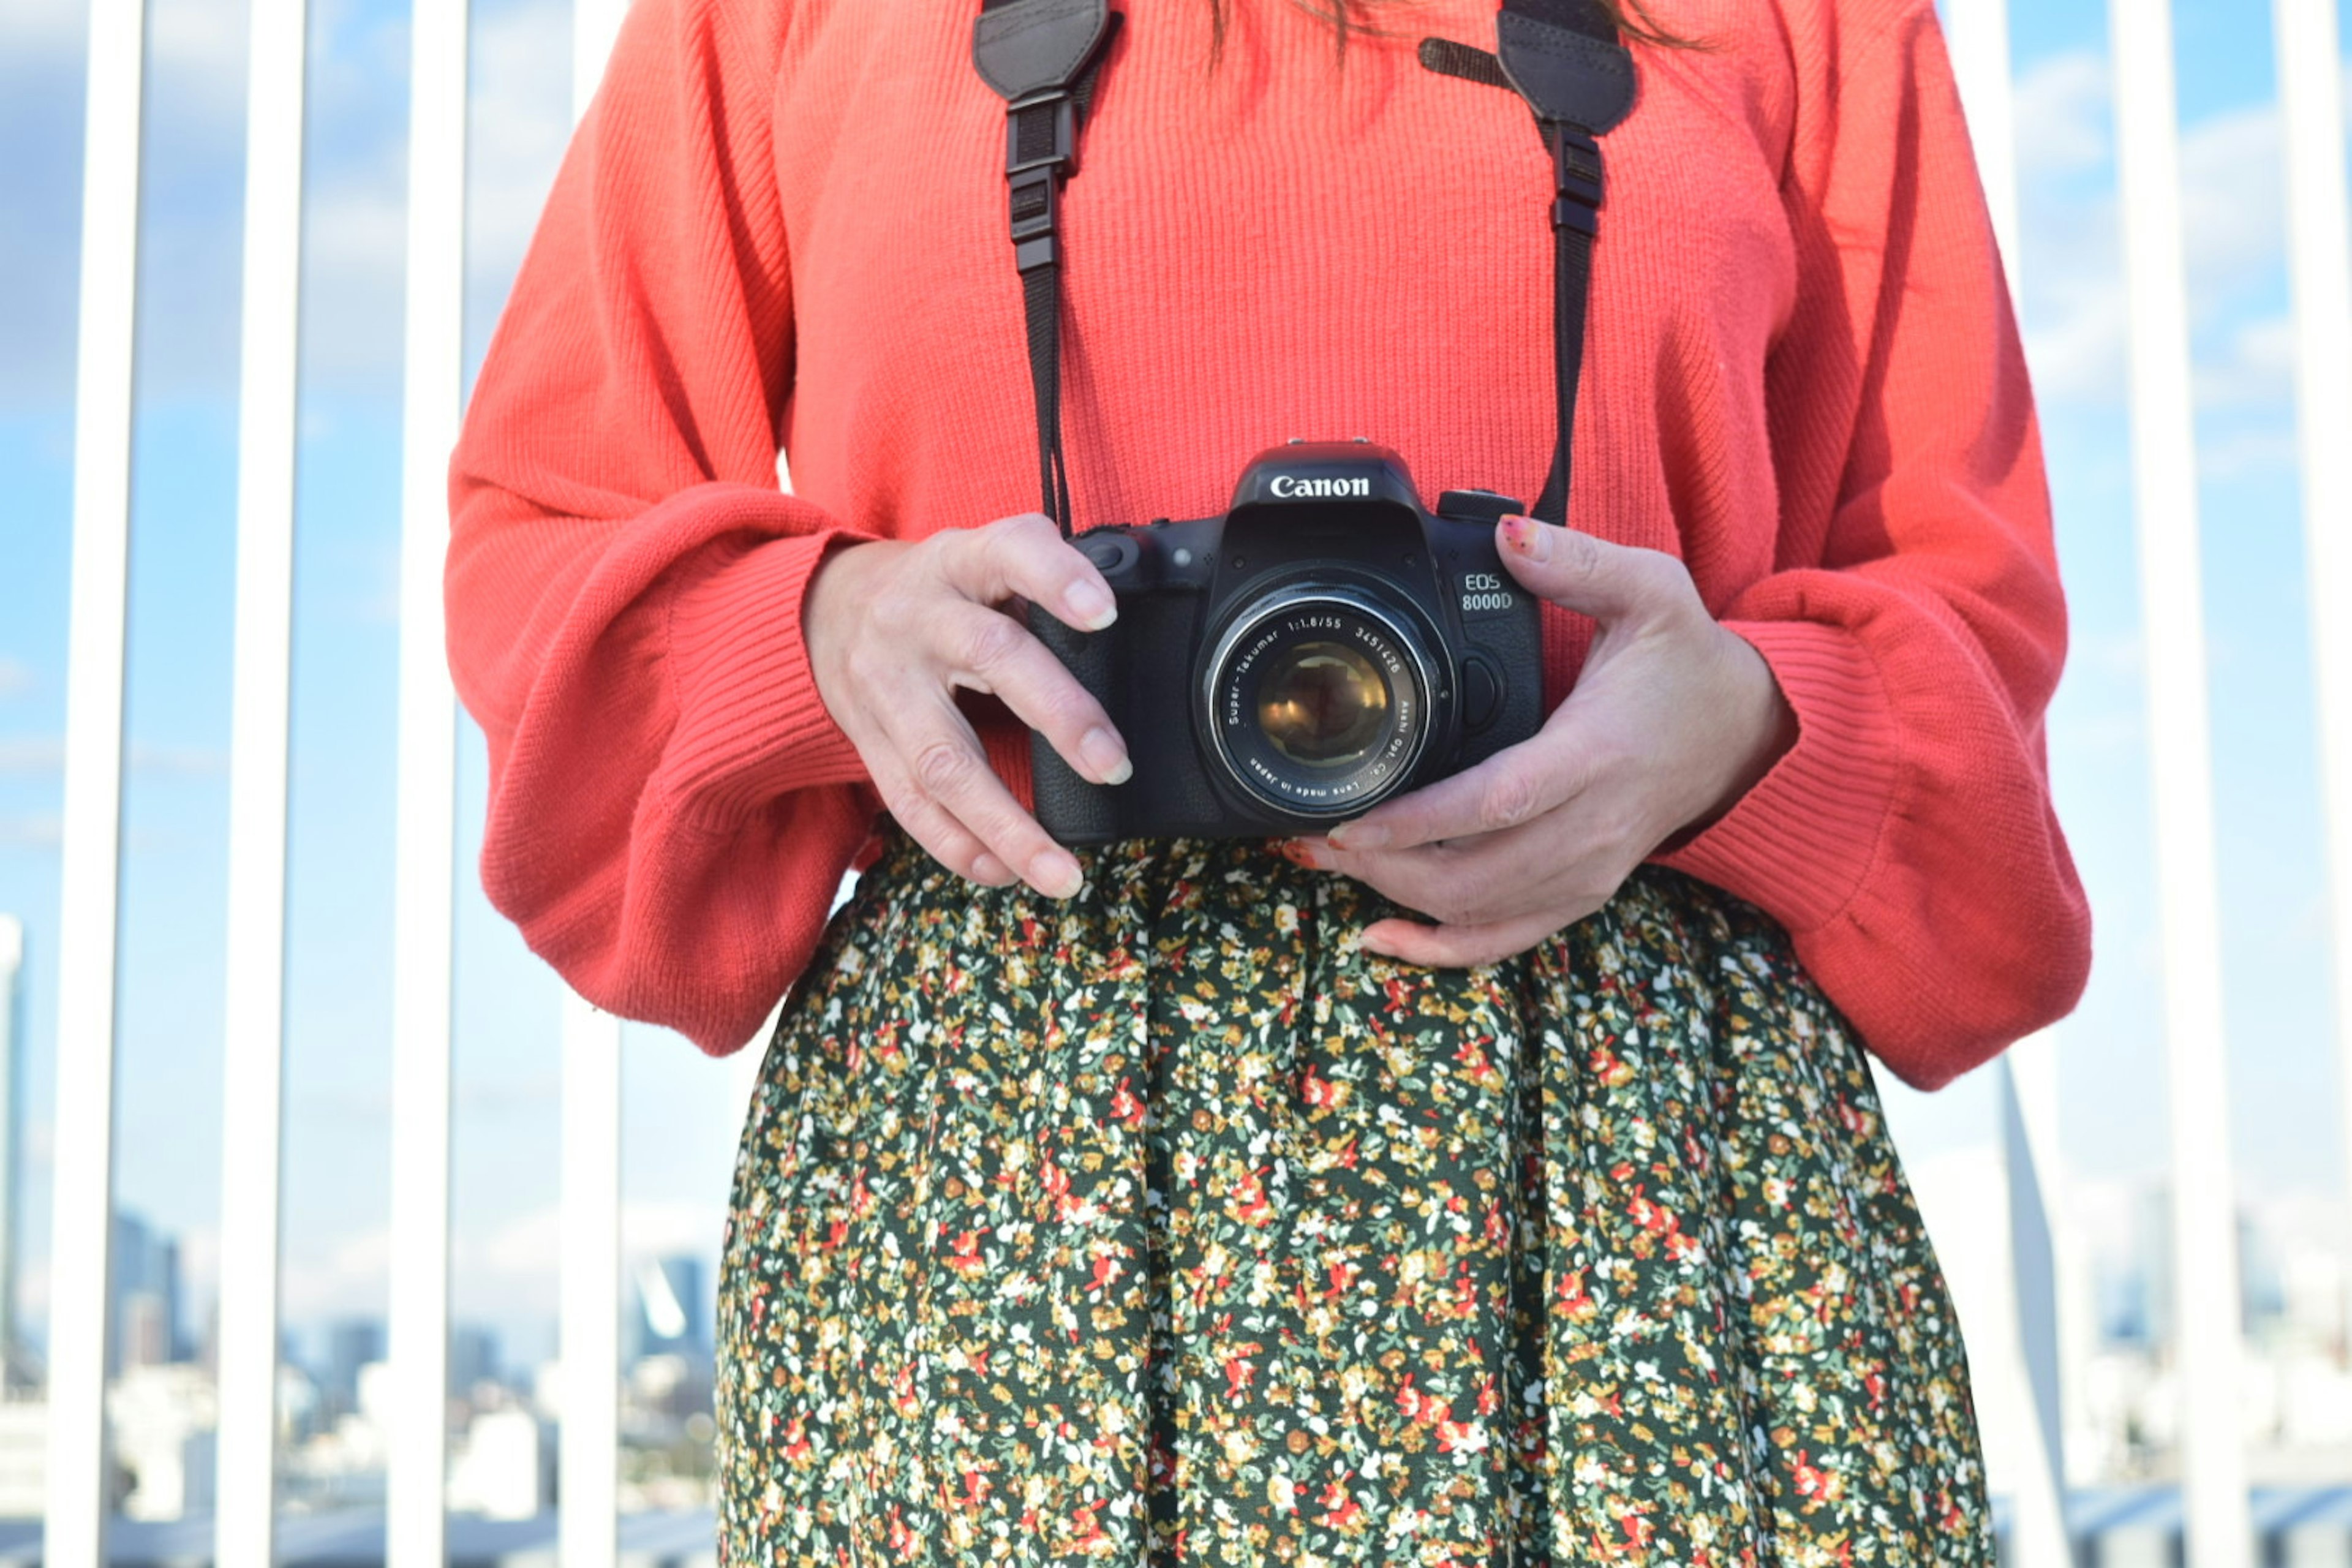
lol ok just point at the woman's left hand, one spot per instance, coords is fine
(1672, 721)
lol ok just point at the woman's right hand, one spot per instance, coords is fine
(893, 628)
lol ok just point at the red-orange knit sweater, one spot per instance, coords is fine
(784, 224)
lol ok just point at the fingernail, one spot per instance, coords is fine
(1360, 836)
(1056, 874)
(1106, 757)
(1527, 536)
(1298, 853)
(1091, 604)
(988, 869)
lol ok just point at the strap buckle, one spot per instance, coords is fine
(1576, 177)
(1040, 151)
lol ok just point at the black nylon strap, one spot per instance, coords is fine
(1043, 57)
(1564, 58)
(1576, 161)
(1041, 300)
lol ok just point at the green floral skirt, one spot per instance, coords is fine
(1168, 1226)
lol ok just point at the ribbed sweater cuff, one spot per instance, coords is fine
(751, 726)
(1799, 842)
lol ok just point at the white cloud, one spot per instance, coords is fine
(36, 28)
(23, 754)
(2075, 345)
(2060, 113)
(2232, 221)
(201, 47)
(2256, 367)
(36, 830)
(2233, 200)
(15, 678)
(350, 1280)
(2243, 453)
(355, 229)
(2117, 654)
(521, 122)
(490, 1274)
(31, 754)
(179, 761)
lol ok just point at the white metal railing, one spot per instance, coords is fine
(1979, 37)
(253, 1038)
(2319, 259)
(426, 799)
(591, 1201)
(12, 1078)
(2204, 1281)
(83, 1167)
(2164, 472)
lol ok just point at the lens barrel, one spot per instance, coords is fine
(1317, 698)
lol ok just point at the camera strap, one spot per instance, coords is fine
(1564, 58)
(1042, 57)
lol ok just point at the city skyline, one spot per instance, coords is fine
(682, 1110)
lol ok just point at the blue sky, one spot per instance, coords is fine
(680, 1107)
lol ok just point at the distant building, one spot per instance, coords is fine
(24, 1458)
(351, 1343)
(473, 1358)
(503, 1468)
(146, 1289)
(671, 1317)
(164, 1416)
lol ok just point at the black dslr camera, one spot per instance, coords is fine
(1326, 643)
(1323, 646)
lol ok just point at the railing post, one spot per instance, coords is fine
(11, 1121)
(2172, 615)
(588, 1521)
(2319, 265)
(2030, 1165)
(80, 1302)
(1978, 31)
(590, 1441)
(245, 1511)
(424, 878)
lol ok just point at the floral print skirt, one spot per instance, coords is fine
(1168, 1226)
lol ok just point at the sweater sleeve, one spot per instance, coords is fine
(671, 806)
(1914, 620)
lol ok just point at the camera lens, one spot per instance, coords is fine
(1322, 703)
(1317, 699)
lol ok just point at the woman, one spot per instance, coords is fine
(1497, 1179)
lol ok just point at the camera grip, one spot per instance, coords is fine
(1067, 806)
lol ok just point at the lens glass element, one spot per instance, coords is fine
(1322, 703)
(1315, 698)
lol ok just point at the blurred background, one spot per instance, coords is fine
(2145, 1217)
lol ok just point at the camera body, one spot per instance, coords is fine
(1325, 645)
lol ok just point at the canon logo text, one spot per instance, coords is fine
(1287, 487)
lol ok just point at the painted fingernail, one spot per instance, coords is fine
(1527, 536)
(988, 869)
(1361, 835)
(1298, 853)
(1091, 605)
(1056, 874)
(1106, 757)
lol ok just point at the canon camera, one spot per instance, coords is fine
(1325, 645)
